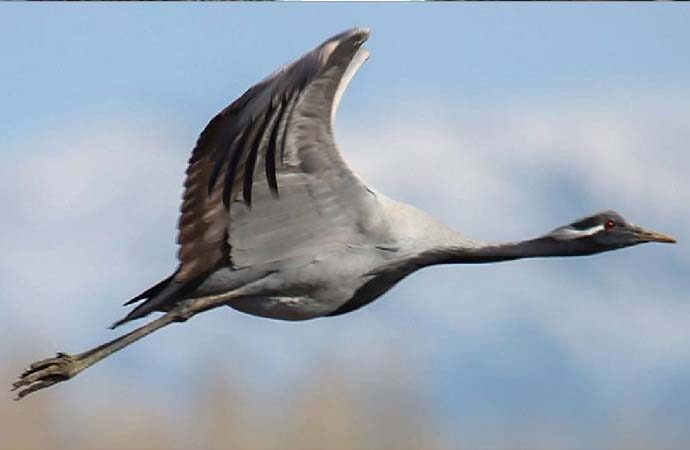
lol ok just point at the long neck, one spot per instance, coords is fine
(487, 253)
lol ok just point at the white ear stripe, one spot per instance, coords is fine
(572, 233)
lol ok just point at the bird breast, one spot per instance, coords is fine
(283, 307)
(330, 284)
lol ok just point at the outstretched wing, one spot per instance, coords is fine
(266, 182)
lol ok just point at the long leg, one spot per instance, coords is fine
(48, 372)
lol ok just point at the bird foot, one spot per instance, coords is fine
(47, 372)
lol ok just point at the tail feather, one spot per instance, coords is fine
(166, 292)
(161, 297)
(151, 292)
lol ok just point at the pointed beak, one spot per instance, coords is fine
(652, 236)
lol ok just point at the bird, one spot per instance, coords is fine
(274, 222)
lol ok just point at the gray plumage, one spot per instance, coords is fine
(274, 223)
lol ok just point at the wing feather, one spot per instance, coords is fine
(231, 213)
(271, 152)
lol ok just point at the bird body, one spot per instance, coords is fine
(274, 223)
(355, 271)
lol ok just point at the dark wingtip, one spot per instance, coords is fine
(134, 314)
(270, 161)
(133, 300)
(274, 192)
(247, 198)
(117, 323)
(152, 291)
(360, 34)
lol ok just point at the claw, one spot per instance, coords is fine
(35, 387)
(50, 371)
(45, 373)
(44, 363)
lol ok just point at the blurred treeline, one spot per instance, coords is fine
(324, 412)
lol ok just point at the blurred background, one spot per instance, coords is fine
(503, 120)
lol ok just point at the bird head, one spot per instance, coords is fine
(605, 231)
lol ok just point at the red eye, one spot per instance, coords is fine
(609, 225)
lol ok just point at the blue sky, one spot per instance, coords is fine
(503, 120)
